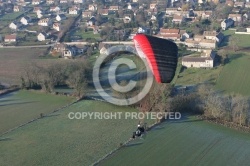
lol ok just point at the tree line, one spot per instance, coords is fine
(74, 74)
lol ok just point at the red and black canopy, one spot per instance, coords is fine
(161, 55)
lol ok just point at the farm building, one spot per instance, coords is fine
(206, 60)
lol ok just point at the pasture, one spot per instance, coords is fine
(13, 62)
(234, 78)
(186, 142)
(191, 76)
(243, 39)
(57, 140)
(19, 107)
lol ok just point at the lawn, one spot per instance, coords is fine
(57, 140)
(235, 77)
(11, 16)
(20, 107)
(88, 34)
(186, 142)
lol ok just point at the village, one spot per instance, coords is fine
(78, 27)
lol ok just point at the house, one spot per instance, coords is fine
(16, 8)
(49, 2)
(92, 7)
(63, 1)
(73, 11)
(45, 22)
(38, 10)
(57, 26)
(206, 60)
(60, 17)
(213, 35)
(10, 38)
(39, 15)
(87, 14)
(153, 6)
(206, 15)
(127, 18)
(229, 3)
(103, 12)
(247, 5)
(235, 17)
(143, 30)
(14, 25)
(130, 7)
(202, 44)
(91, 21)
(104, 48)
(60, 47)
(169, 31)
(54, 9)
(113, 8)
(239, 4)
(25, 20)
(226, 23)
(177, 19)
(153, 18)
(69, 52)
(78, 1)
(41, 36)
(35, 2)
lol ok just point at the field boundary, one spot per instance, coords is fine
(227, 124)
(35, 119)
(121, 146)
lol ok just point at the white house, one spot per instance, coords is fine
(143, 30)
(54, 9)
(35, 2)
(78, 1)
(50, 2)
(14, 25)
(73, 11)
(25, 20)
(69, 52)
(16, 9)
(226, 23)
(41, 36)
(93, 7)
(45, 22)
(63, 1)
(206, 60)
(60, 17)
(57, 26)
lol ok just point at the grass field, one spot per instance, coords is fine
(244, 41)
(192, 76)
(186, 142)
(13, 61)
(57, 140)
(235, 76)
(20, 107)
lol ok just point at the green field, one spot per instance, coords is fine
(22, 106)
(235, 75)
(186, 142)
(191, 76)
(57, 140)
(243, 42)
